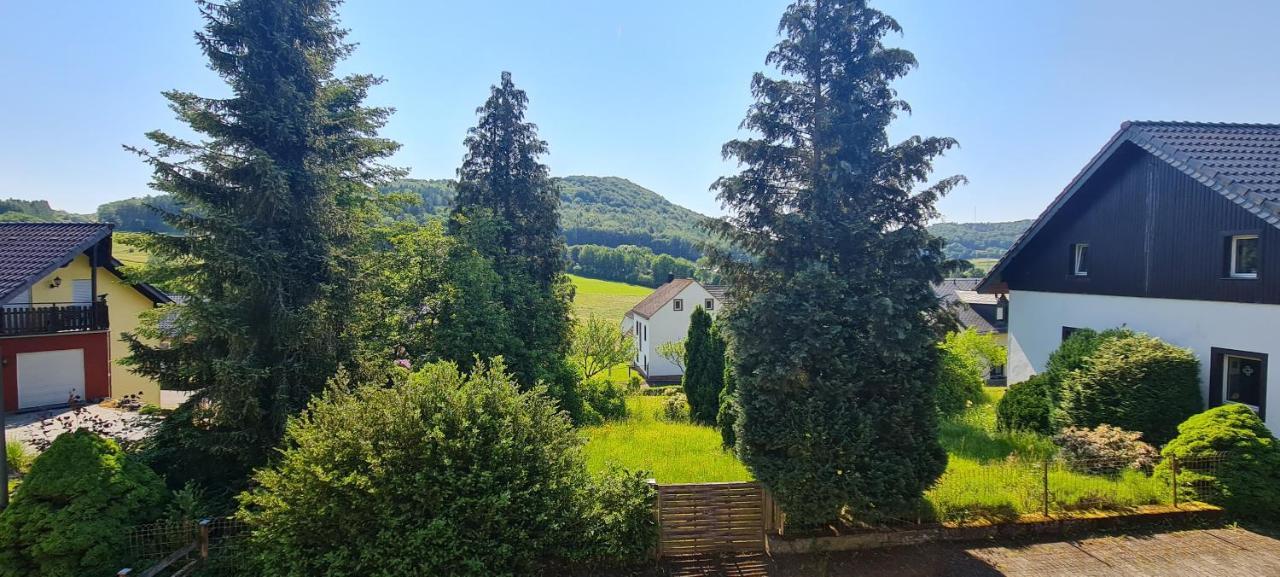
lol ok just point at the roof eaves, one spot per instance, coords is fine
(61, 261)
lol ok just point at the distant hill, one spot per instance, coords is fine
(971, 240)
(14, 210)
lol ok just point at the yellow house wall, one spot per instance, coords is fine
(124, 305)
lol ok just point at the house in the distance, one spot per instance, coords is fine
(63, 306)
(1170, 230)
(984, 313)
(663, 317)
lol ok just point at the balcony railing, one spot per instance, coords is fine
(50, 318)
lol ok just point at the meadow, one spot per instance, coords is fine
(670, 452)
(606, 299)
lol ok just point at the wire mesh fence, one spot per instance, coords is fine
(178, 548)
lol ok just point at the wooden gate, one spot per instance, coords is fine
(700, 518)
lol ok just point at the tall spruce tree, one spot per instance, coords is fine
(267, 205)
(508, 208)
(834, 323)
(703, 367)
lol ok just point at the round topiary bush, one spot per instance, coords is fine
(447, 474)
(1026, 406)
(1226, 455)
(71, 513)
(1136, 382)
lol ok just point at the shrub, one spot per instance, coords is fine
(620, 528)
(1104, 449)
(1026, 406)
(1136, 382)
(703, 367)
(1227, 455)
(959, 383)
(602, 401)
(17, 456)
(675, 408)
(1072, 353)
(727, 417)
(447, 474)
(71, 512)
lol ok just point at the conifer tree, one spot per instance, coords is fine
(703, 367)
(508, 208)
(834, 322)
(267, 204)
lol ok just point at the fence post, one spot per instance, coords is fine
(1045, 469)
(657, 518)
(1174, 463)
(204, 539)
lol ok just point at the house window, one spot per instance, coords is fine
(997, 372)
(999, 313)
(677, 304)
(1244, 256)
(710, 304)
(1080, 259)
(1238, 377)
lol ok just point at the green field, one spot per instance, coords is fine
(984, 264)
(669, 452)
(606, 299)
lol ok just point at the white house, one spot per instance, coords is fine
(1170, 230)
(663, 317)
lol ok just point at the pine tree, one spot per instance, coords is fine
(834, 323)
(267, 207)
(703, 367)
(508, 208)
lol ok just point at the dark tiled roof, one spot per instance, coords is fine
(1239, 161)
(952, 292)
(29, 251)
(660, 297)
(717, 290)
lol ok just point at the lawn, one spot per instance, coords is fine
(984, 264)
(670, 452)
(606, 299)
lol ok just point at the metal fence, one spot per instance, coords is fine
(177, 549)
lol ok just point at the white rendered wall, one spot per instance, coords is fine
(669, 325)
(1036, 320)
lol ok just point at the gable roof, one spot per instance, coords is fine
(30, 251)
(660, 297)
(1241, 162)
(957, 295)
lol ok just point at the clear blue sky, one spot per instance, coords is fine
(650, 90)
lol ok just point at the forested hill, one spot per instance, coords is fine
(979, 239)
(14, 210)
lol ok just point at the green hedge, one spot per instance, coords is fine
(70, 515)
(1026, 406)
(1228, 456)
(1136, 382)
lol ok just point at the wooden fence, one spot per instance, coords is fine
(702, 518)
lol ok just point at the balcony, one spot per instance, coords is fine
(52, 318)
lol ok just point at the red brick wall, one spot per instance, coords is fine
(97, 361)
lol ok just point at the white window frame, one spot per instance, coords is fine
(1075, 259)
(999, 313)
(1234, 242)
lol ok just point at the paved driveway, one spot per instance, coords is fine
(1192, 553)
(26, 426)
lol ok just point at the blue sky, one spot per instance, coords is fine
(650, 90)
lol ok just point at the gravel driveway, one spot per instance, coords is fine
(27, 426)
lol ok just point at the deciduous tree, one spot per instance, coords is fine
(599, 344)
(834, 322)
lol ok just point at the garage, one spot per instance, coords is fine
(49, 377)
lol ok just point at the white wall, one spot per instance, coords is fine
(1036, 320)
(669, 325)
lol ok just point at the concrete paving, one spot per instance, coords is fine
(49, 424)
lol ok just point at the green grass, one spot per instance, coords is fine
(997, 475)
(670, 452)
(606, 299)
(127, 254)
(984, 264)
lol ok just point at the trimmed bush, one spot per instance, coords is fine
(1136, 382)
(70, 515)
(1105, 449)
(1227, 456)
(675, 408)
(447, 474)
(1072, 354)
(1026, 406)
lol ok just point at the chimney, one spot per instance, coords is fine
(671, 277)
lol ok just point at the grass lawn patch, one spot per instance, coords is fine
(606, 299)
(670, 452)
(996, 475)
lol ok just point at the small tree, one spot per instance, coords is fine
(599, 345)
(727, 418)
(966, 357)
(673, 351)
(703, 367)
(1137, 383)
(70, 515)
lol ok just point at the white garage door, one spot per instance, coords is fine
(49, 377)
